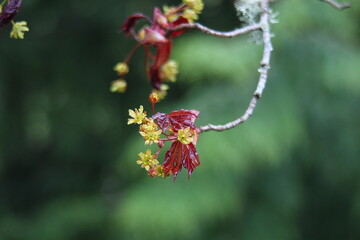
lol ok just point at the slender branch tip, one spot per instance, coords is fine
(337, 5)
(263, 70)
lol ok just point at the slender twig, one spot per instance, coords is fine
(263, 70)
(336, 4)
(209, 31)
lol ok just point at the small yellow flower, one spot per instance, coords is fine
(186, 136)
(137, 115)
(147, 160)
(18, 30)
(149, 130)
(121, 68)
(118, 86)
(151, 137)
(190, 15)
(148, 125)
(169, 70)
(196, 5)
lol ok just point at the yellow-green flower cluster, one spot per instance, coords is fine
(190, 15)
(149, 130)
(121, 68)
(148, 125)
(147, 160)
(157, 171)
(169, 70)
(170, 13)
(118, 86)
(151, 133)
(196, 5)
(18, 29)
(190, 10)
(186, 136)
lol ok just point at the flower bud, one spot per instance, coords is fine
(196, 5)
(153, 37)
(160, 18)
(154, 98)
(162, 21)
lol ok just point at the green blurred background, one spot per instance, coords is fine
(67, 157)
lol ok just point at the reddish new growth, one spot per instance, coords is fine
(9, 12)
(179, 128)
(156, 37)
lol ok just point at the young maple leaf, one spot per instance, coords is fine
(178, 128)
(180, 155)
(158, 35)
(182, 152)
(130, 22)
(176, 120)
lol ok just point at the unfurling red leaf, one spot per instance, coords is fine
(162, 56)
(131, 21)
(176, 120)
(180, 155)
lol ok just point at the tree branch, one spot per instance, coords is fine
(336, 4)
(263, 70)
(209, 31)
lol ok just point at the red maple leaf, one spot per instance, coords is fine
(130, 22)
(180, 155)
(158, 35)
(176, 120)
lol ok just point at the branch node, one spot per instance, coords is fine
(257, 95)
